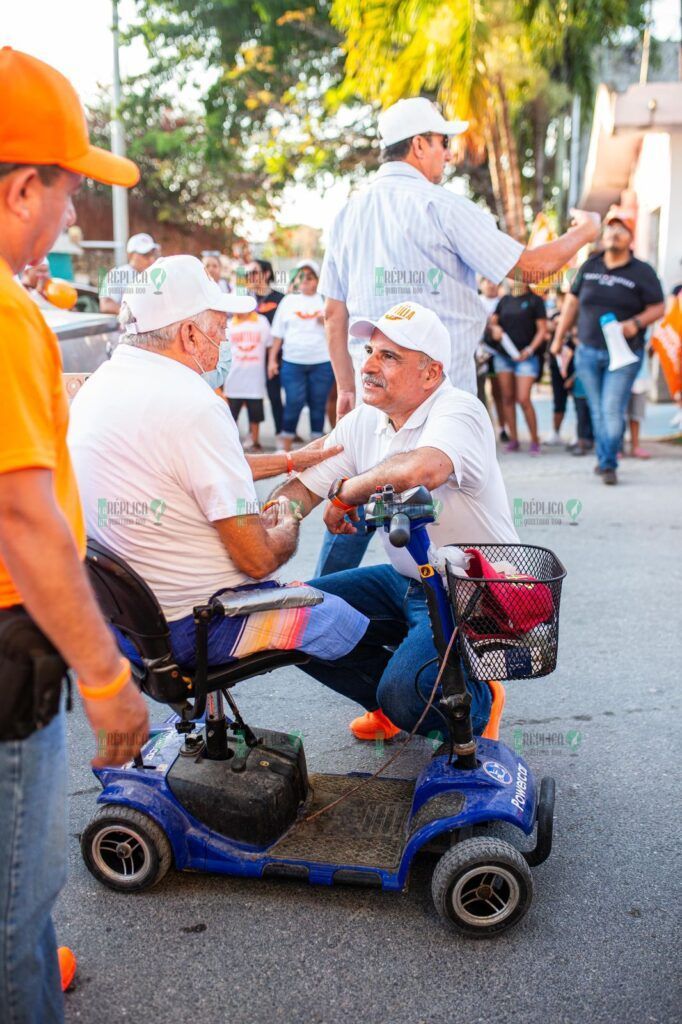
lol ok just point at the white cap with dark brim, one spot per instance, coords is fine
(411, 326)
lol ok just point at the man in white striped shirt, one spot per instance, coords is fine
(405, 239)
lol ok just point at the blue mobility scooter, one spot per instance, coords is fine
(212, 794)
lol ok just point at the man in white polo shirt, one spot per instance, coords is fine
(413, 428)
(164, 481)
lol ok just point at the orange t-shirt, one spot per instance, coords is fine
(34, 411)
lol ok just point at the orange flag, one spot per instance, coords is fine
(666, 342)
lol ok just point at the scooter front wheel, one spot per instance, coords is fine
(482, 886)
(124, 849)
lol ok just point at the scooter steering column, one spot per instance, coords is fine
(455, 702)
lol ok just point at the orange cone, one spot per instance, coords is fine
(67, 966)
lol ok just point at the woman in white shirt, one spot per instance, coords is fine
(306, 373)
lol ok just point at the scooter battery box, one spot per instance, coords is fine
(253, 796)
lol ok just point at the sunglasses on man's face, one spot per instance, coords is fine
(445, 139)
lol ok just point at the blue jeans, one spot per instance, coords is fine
(33, 852)
(376, 677)
(502, 363)
(607, 394)
(343, 550)
(305, 384)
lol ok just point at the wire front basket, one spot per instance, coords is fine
(508, 617)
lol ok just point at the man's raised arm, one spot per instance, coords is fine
(536, 264)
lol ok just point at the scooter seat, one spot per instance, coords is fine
(128, 604)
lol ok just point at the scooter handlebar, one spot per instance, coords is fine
(399, 530)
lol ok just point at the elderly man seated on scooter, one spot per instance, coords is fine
(165, 484)
(413, 428)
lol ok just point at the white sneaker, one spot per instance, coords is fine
(555, 439)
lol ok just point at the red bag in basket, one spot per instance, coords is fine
(520, 605)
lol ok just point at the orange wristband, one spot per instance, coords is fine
(111, 689)
(290, 463)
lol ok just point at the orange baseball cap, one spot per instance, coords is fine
(42, 121)
(627, 217)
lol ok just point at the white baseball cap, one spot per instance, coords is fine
(177, 288)
(411, 326)
(415, 116)
(311, 264)
(142, 243)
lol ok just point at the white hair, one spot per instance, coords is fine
(162, 338)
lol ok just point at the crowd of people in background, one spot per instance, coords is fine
(280, 351)
(527, 328)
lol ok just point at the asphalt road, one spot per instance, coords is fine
(600, 941)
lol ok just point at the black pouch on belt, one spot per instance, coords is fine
(32, 673)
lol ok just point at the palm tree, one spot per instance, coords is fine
(467, 54)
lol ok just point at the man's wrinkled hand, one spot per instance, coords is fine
(336, 520)
(120, 725)
(282, 512)
(588, 220)
(314, 453)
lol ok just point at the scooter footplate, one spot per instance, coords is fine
(367, 829)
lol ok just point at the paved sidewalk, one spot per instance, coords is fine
(600, 941)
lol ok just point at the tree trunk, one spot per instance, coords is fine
(492, 143)
(509, 161)
(540, 124)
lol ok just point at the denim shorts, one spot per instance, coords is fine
(502, 363)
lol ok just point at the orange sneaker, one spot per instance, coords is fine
(373, 725)
(67, 966)
(492, 729)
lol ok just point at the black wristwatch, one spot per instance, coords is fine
(638, 323)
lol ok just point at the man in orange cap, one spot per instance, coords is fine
(48, 615)
(610, 284)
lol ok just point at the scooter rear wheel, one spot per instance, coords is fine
(124, 849)
(482, 886)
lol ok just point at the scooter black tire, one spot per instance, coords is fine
(481, 887)
(125, 849)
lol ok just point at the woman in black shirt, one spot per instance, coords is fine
(523, 318)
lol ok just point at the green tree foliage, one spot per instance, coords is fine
(506, 66)
(238, 102)
(243, 97)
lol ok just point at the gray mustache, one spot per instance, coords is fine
(367, 378)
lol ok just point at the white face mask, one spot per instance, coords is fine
(217, 377)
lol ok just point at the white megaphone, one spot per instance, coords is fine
(620, 353)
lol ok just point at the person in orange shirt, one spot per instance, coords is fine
(48, 614)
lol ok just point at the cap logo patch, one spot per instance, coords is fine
(404, 312)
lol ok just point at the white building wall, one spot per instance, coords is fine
(651, 181)
(671, 263)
